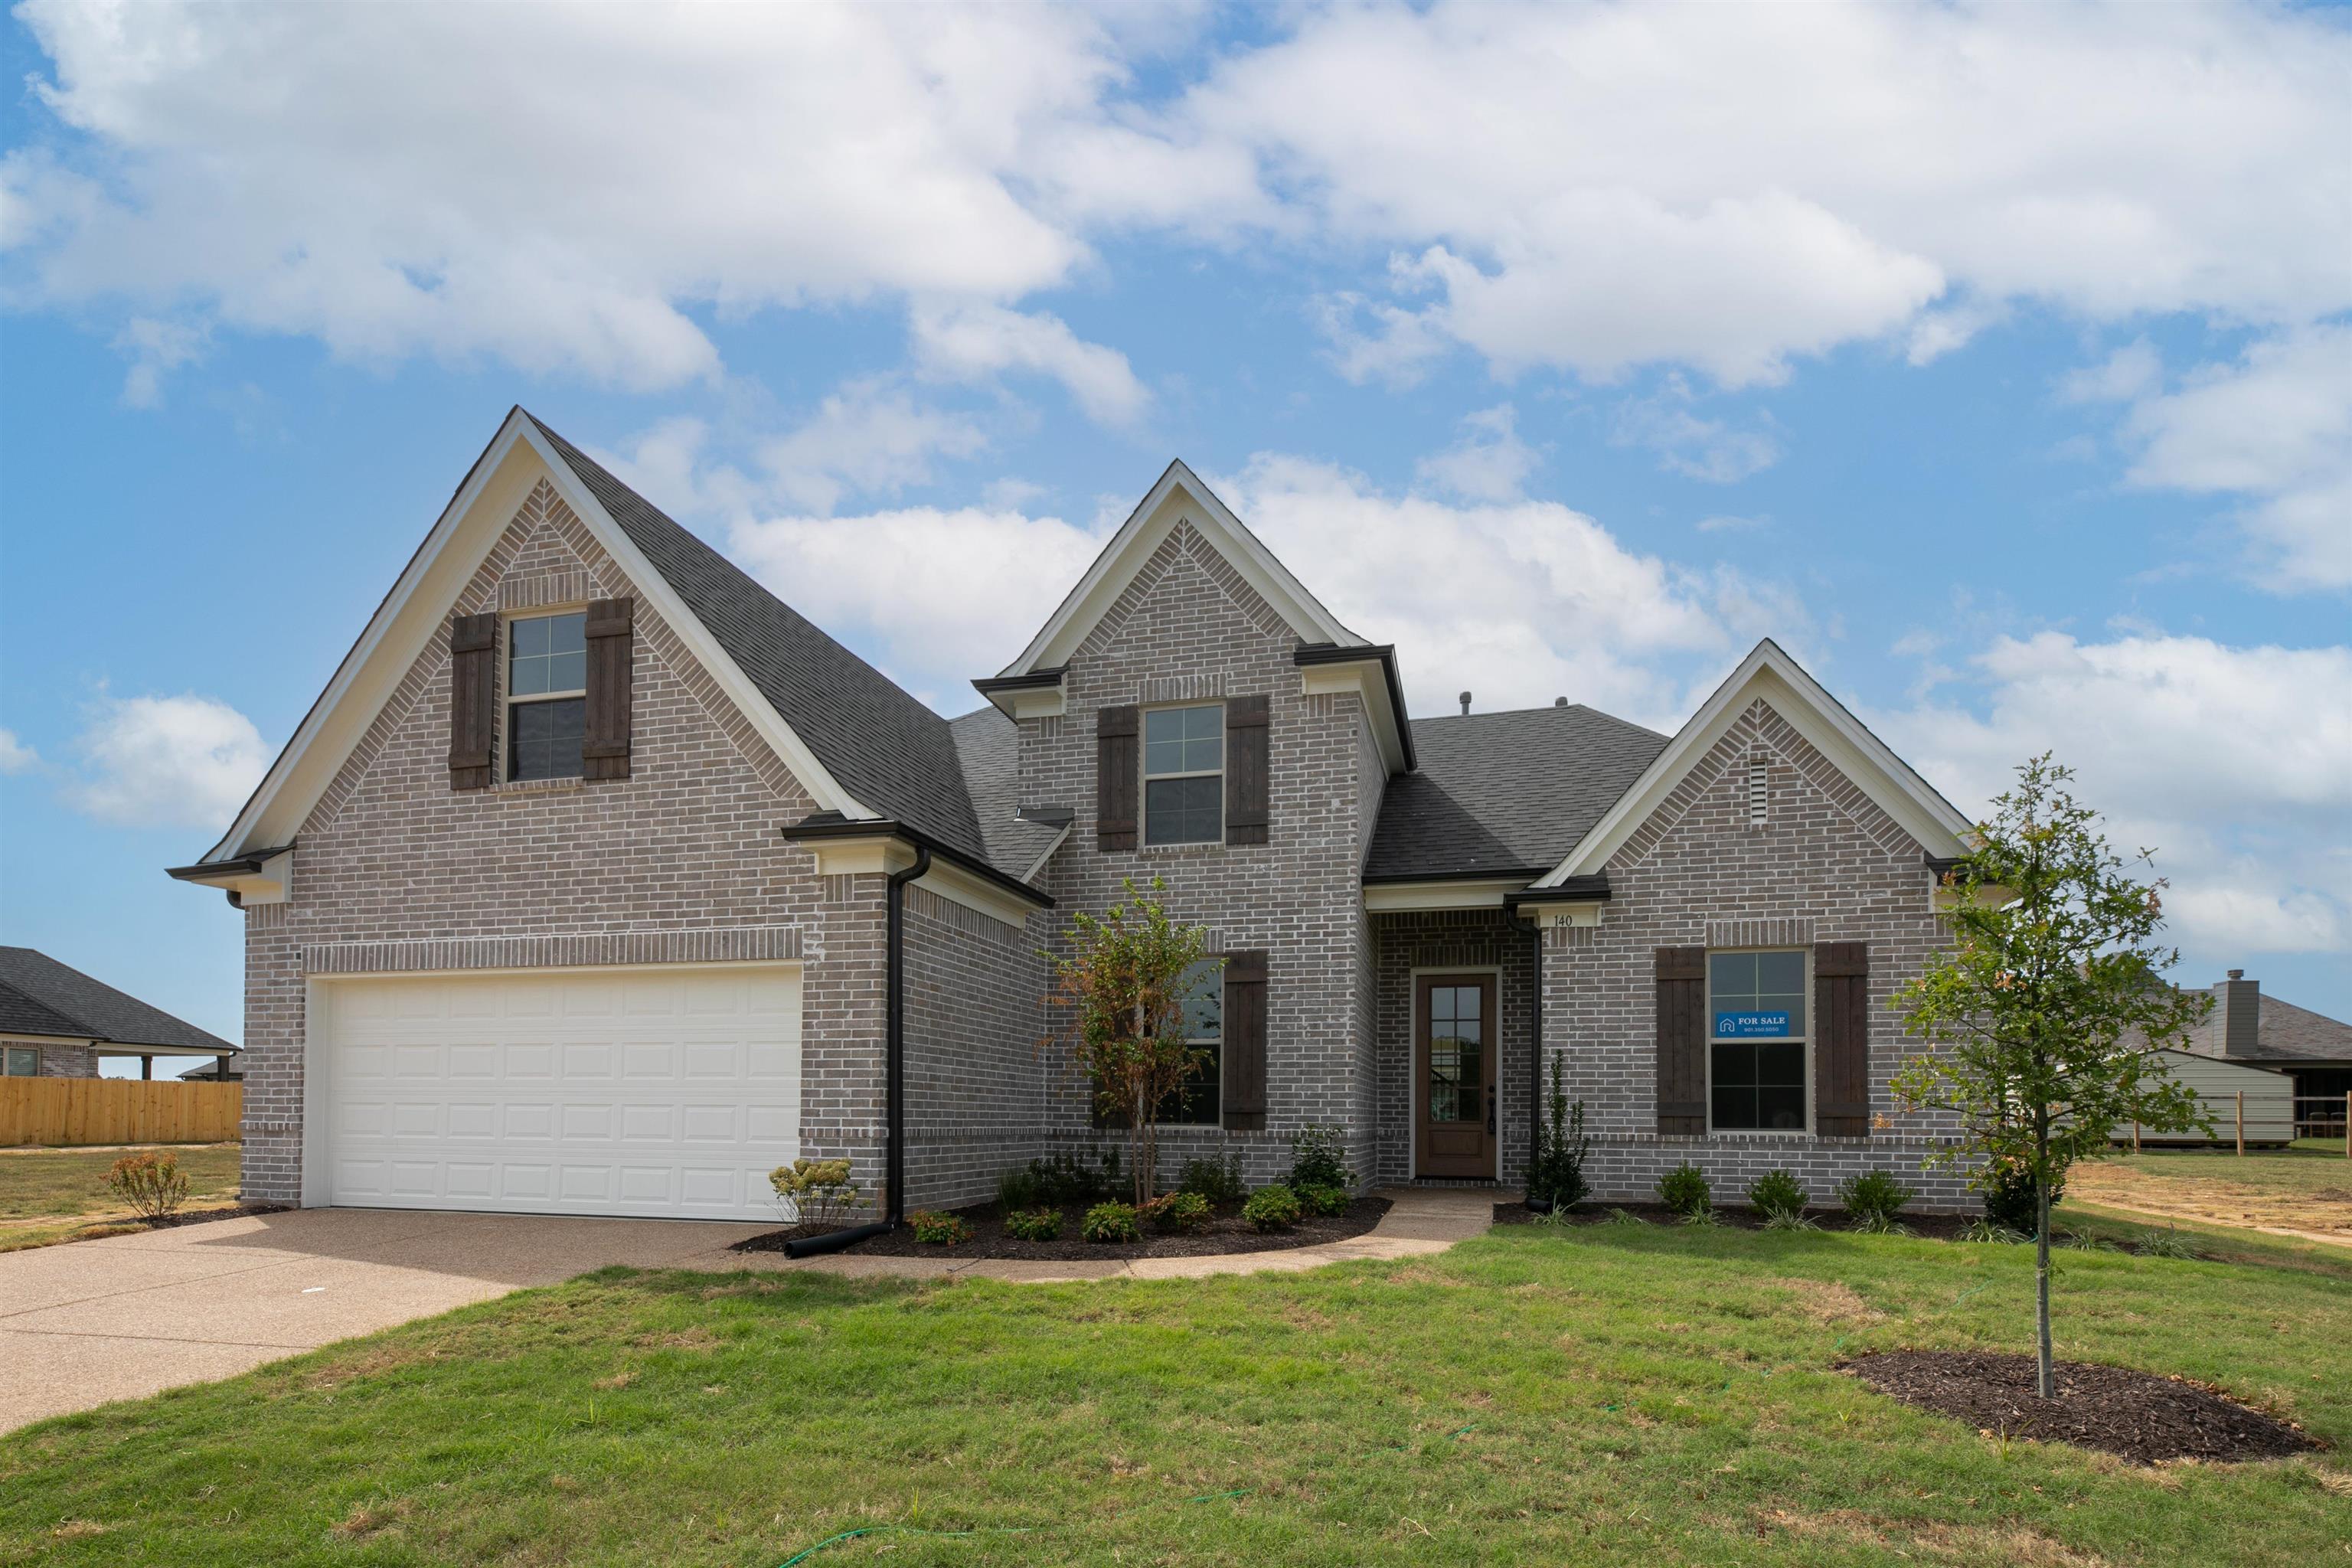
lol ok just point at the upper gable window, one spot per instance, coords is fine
(547, 696)
(1184, 775)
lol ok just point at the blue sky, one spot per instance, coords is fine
(1996, 360)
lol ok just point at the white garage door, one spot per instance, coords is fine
(666, 1091)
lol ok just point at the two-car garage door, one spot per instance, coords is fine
(666, 1091)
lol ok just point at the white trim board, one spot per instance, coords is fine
(1768, 673)
(516, 459)
(1179, 496)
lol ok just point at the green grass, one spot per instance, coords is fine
(1635, 1395)
(53, 1195)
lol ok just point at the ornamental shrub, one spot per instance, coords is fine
(1317, 1199)
(1685, 1191)
(1874, 1198)
(816, 1192)
(1556, 1180)
(939, 1229)
(1775, 1195)
(1111, 1221)
(1018, 1189)
(2008, 1189)
(152, 1184)
(1219, 1181)
(1034, 1224)
(1271, 1208)
(1318, 1158)
(1176, 1213)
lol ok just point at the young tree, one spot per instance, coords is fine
(2048, 1009)
(1123, 985)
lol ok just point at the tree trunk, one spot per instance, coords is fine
(2045, 1382)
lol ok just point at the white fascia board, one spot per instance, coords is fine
(1770, 674)
(886, 854)
(1388, 898)
(1179, 494)
(501, 481)
(1369, 682)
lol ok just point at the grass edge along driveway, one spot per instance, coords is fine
(1642, 1395)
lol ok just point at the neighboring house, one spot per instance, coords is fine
(2311, 1048)
(57, 1022)
(221, 1069)
(600, 881)
(2221, 1088)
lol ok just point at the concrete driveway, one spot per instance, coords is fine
(91, 1322)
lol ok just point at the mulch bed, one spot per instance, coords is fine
(2143, 1417)
(1226, 1232)
(1936, 1227)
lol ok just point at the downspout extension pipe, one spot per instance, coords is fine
(894, 1070)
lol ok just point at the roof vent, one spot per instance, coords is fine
(1559, 701)
(1465, 704)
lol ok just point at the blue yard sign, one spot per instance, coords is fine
(1751, 1026)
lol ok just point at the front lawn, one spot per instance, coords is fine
(54, 1195)
(2291, 1189)
(1636, 1395)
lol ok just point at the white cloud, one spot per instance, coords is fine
(2274, 427)
(1488, 463)
(15, 757)
(1603, 186)
(938, 596)
(1705, 449)
(2234, 763)
(153, 762)
(1728, 523)
(969, 343)
(866, 438)
(154, 348)
(1592, 187)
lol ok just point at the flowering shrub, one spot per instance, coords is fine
(939, 1229)
(152, 1184)
(1107, 1222)
(1177, 1213)
(1271, 1208)
(1034, 1224)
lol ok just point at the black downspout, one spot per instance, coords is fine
(895, 1040)
(894, 1071)
(1535, 1068)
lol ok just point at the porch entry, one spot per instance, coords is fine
(1454, 1037)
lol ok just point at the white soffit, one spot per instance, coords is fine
(1387, 898)
(501, 480)
(1768, 673)
(1178, 495)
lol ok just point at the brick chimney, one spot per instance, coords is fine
(2238, 1016)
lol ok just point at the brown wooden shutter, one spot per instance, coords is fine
(1682, 1041)
(1242, 1058)
(1245, 764)
(611, 671)
(1841, 1039)
(1115, 740)
(473, 698)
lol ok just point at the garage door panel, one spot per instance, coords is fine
(630, 1093)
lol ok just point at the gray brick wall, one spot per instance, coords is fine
(975, 1075)
(568, 872)
(1826, 866)
(62, 1061)
(1189, 628)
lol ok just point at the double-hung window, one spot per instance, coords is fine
(1198, 1103)
(22, 1061)
(547, 696)
(1184, 775)
(1756, 1041)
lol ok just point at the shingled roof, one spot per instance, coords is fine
(38, 995)
(2286, 1034)
(890, 751)
(1507, 793)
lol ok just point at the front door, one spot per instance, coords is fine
(1454, 1040)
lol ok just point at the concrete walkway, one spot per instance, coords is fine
(91, 1322)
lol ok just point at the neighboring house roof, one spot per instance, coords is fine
(885, 747)
(1505, 792)
(38, 995)
(988, 751)
(2285, 1034)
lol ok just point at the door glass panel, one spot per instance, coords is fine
(1457, 1046)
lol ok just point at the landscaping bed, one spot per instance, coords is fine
(1936, 1227)
(1226, 1232)
(2136, 1414)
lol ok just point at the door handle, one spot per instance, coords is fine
(1490, 1110)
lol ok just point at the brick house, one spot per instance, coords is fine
(600, 881)
(57, 1022)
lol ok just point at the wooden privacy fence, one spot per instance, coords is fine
(118, 1110)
